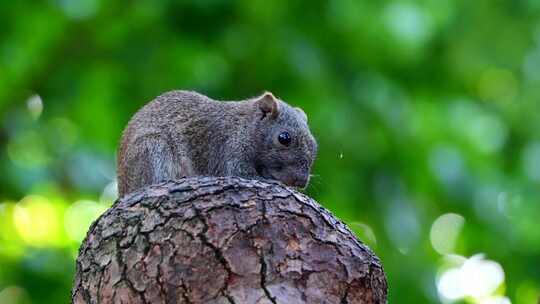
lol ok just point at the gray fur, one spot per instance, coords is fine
(182, 133)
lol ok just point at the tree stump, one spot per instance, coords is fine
(224, 240)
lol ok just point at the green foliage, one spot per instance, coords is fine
(426, 112)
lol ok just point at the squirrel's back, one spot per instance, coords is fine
(183, 133)
(157, 138)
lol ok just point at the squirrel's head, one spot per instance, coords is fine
(286, 148)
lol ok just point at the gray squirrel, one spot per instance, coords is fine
(184, 133)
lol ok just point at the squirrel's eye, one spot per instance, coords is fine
(284, 138)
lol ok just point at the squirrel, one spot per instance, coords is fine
(184, 133)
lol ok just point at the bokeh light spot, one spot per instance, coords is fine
(35, 106)
(531, 65)
(37, 221)
(10, 243)
(495, 300)
(365, 233)
(481, 277)
(483, 130)
(531, 161)
(488, 132)
(109, 193)
(403, 227)
(408, 23)
(447, 164)
(14, 295)
(80, 216)
(28, 150)
(497, 84)
(62, 133)
(477, 278)
(79, 9)
(445, 232)
(447, 286)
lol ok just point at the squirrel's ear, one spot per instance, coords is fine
(268, 104)
(302, 113)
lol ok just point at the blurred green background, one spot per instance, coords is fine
(427, 115)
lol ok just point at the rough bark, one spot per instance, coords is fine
(224, 240)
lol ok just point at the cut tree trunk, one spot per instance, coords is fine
(224, 240)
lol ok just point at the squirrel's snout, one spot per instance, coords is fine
(300, 181)
(290, 176)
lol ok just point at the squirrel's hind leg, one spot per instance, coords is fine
(151, 161)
